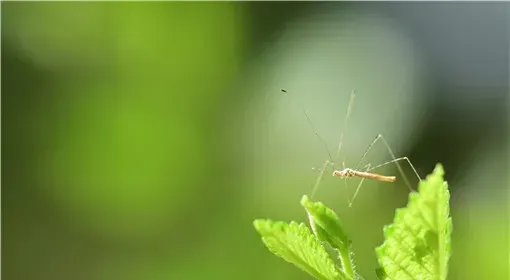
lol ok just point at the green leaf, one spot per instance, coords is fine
(327, 227)
(296, 244)
(418, 243)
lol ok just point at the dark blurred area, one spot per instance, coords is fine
(140, 140)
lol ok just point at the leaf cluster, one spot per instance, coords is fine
(417, 245)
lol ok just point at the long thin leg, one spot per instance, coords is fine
(319, 179)
(347, 115)
(344, 129)
(368, 150)
(394, 160)
(358, 188)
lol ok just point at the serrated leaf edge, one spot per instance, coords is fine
(310, 239)
(437, 173)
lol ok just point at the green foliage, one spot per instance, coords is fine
(327, 227)
(296, 244)
(417, 245)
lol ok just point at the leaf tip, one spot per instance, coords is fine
(305, 201)
(261, 224)
(439, 170)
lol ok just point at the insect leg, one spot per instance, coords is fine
(394, 160)
(319, 179)
(344, 129)
(359, 187)
(347, 115)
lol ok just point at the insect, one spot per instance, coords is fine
(346, 173)
(364, 173)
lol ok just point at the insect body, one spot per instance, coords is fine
(347, 173)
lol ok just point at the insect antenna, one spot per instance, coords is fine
(329, 162)
(316, 131)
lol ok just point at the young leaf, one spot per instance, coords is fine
(327, 227)
(296, 244)
(418, 243)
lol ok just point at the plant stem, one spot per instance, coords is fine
(347, 265)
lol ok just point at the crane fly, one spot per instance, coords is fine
(346, 173)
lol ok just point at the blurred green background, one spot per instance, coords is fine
(140, 140)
